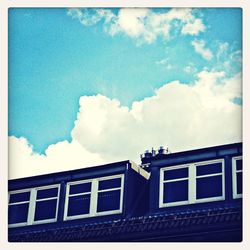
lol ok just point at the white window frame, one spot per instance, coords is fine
(32, 205)
(93, 197)
(20, 202)
(176, 203)
(192, 177)
(234, 177)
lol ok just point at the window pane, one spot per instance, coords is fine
(239, 164)
(175, 191)
(209, 187)
(111, 183)
(209, 169)
(18, 213)
(80, 188)
(18, 197)
(79, 205)
(108, 201)
(47, 193)
(175, 174)
(239, 183)
(45, 209)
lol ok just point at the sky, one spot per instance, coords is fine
(93, 86)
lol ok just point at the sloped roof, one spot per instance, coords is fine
(143, 228)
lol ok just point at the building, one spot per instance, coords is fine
(191, 196)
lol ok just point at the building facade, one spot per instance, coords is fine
(191, 196)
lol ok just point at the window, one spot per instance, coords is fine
(175, 186)
(46, 204)
(33, 206)
(94, 197)
(79, 198)
(19, 207)
(209, 181)
(237, 176)
(108, 198)
(188, 184)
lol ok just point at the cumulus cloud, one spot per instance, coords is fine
(199, 46)
(58, 157)
(178, 116)
(144, 25)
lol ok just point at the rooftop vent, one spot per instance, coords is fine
(149, 154)
(146, 154)
(163, 151)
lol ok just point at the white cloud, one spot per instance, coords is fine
(165, 62)
(199, 46)
(190, 69)
(58, 157)
(132, 21)
(232, 89)
(222, 49)
(170, 117)
(179, 116)
(231, 61)
(193, 28)
(143, 25)
(183, 14)
(91, 17)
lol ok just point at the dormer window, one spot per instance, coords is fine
(33, 206)
(192, 183)
(174, 185)
(109, 195)
(18, 207)
(94, 197)
(78, 198)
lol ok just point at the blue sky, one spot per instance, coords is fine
(56, 56)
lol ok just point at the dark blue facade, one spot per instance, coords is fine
(225, 153)
(187, 196)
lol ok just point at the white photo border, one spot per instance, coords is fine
(5, 4)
